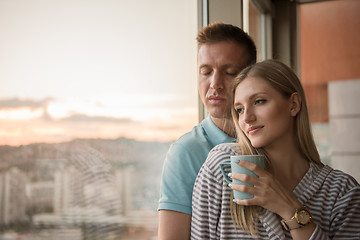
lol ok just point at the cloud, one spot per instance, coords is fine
(104, 119)
(14, 103)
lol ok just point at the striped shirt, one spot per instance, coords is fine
(331, 196)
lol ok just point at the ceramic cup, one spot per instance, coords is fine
(225, 169)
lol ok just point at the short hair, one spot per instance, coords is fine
(219, 32)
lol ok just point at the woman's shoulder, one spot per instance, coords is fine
(341, 178)
(221, 153)
(337, 181)
(226, 148)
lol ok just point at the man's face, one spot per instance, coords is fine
(218, 65)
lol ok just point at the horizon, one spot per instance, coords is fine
(91, 139)
(41, 130)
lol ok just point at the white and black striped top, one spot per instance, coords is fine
(332, 197)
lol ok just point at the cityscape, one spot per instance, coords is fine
(82, 189)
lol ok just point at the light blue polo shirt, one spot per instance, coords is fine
(183, 162)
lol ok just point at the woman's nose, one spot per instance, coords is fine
(249, 116)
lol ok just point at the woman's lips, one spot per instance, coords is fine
(254, 130)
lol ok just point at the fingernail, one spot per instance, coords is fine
(229, 185)
(229, 175)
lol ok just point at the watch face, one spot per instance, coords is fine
(303, 217)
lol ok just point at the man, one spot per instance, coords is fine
(223, 51)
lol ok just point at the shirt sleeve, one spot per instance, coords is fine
(179, 173)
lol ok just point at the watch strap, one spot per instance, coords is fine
(290, 224)
(294, 222)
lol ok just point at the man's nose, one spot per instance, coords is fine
(216, 81)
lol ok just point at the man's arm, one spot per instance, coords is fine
(174, 225)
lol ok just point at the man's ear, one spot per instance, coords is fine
(295, 104)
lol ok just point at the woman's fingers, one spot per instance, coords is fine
(247, 202)
(252, 167)
(268, 191)
(243, 188)
(244, 178)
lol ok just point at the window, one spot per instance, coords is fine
(92, 94)
(257, 22)
(330, 76)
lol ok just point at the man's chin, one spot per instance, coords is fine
(218, 115)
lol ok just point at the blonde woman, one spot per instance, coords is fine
(295, 196)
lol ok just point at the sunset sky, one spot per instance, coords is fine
(96, 68)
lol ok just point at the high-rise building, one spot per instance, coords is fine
(127, 183)
(13, 199)
(41, 196)
(68, 189)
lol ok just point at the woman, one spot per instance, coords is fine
(295, 196)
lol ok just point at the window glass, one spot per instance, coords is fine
(257, 22)
(255, 28)
(330, 76)
(92, 95)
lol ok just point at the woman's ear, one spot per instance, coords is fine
(295, 104)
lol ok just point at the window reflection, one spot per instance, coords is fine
(92, 94)
(83, 189)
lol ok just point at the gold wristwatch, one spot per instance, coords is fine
(301, 218)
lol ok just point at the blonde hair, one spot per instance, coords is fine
(284, 80)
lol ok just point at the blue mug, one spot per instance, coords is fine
(257, 159)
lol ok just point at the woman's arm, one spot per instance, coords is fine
(206, 206)
(208, 194)
(270, 194)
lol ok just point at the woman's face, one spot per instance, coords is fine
(265, 116)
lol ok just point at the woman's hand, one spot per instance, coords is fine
(268, 192)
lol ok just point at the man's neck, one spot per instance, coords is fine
(226, 125)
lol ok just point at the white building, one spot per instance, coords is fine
(126, 182)
(41, 196)
(68, 189)
(13, 200)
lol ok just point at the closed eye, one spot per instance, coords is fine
(231, 70)
(231, 74)
(205, 73)
(205, 70)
